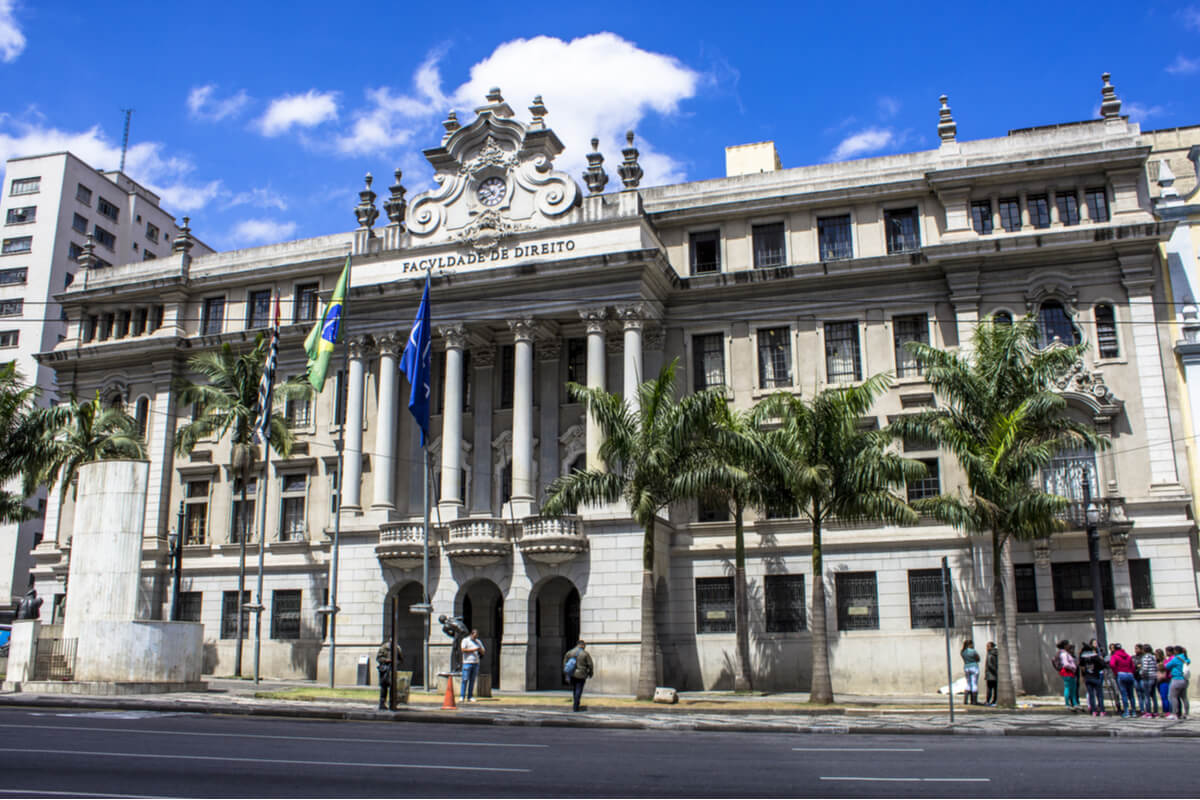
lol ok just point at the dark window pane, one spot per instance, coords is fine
(714, 605)
(903, 232)
(1106, 332)
(857, 601)
(214, 316)
(285, 614)
(1010, 214)
(189, 606)
(577, 360)
(507, 365)
(1039, 210)
(784, 596)
(306, 302)
(258, 309)
(1025, 582)
(705, 251)
(774, 358)
(834, 237)
(1054, 325)
(1139, 582)
(981, 217)
(713, 508)
(925, 599)
(229, 610)
(843, 362)
(1097, 202)
(929, 486)
(768, 245)
(708, 361)
(1068, 208)
(1073, 585)
(909, 328)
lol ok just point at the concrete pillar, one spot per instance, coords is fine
(385, 419)
(450, 505)
(483, 359)
(594, 319)
(522, 418)
(632, 319)
(549, 352)
(352, 462)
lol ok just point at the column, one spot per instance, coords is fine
(522, 418)
(594, 319)
(549, 351)
(451, 502)
(964, 296)
(632, 319)
(385, 417)
(352, 458)
(483, 359)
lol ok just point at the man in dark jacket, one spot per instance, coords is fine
(583, 670)
(387, 683)
(990, 672)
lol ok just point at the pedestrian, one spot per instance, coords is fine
(1147, 679)
(1179, 668)
(383, 663)
(1091, 668)
(1123, 667)
(1064, 663)
(1164, 678)
(991, 672)
(578, 667)
(472, 649)
(970, 657)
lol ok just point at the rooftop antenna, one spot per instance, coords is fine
(125, 138)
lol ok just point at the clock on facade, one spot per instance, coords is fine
(491, 191)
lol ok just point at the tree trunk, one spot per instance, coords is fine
(1010, 616)
(648, 668)
(821, 690)
(742, 680)
(1004, 685)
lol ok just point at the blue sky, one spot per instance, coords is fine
(258, 120)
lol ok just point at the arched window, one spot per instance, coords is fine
(1055, 326)
(1106, 332)
(142, 415)
(1065, 475)
(1002, 318)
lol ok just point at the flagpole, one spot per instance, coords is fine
(425, 629)
(344, 397)
(261, 495)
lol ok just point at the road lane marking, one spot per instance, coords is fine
(860, 749)
(69, 793)
(906, 780)
(448, 767)
(265, 736)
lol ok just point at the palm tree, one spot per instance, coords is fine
(19, 433)
(226, 402)
(654, 453)
(77, 433)
(1004, 422)
(836, 469)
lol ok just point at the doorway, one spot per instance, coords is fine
(410, 629)
(555, 629)
(483, 610)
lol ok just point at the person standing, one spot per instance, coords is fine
(991, 672)
(1064, 662)
(1147, 680)
(1164, 679)
(1179, 668)
(1091, 667)
(383, 663)
(472, 649)
(1122, 666)
(970, 657)
(578, 667)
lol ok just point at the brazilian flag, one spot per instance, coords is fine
(326, 333)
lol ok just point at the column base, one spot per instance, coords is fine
(518, 508)
(448, 512)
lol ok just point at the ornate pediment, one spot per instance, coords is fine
(495, 178)
(1089, 387)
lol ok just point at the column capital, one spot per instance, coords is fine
(454, 335)
(390, 343)
(594, 318)
(523, 329)
(484, 355)
(359, 345)
(635, 315)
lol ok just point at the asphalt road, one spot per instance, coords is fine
(48, 753)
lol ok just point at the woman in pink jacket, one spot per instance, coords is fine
(1064, 662)
(1122, 666)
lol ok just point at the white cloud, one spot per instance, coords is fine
(202, 105)
(298, 110)
(12, 41)
(888, 107)
(866, 141)
(260, 231)
(1191, 17)
(1184, 65)
(265, 197)
(1138, 112)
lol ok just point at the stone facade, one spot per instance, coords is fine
(770, 279)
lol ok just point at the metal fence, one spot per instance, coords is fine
(55, 660)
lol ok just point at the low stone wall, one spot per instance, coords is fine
(139, 651)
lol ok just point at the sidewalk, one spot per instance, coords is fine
(700, 711)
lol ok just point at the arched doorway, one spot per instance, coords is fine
(483, 610)
(410, 629)
(555, 629)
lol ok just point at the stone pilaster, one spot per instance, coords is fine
(386, 416)
(450, 504)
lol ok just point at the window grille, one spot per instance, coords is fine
(1055, 325)
(214, 316)
(843, 361)
(1039, 210)
(18, 244)
(784, 596)
(714, 605)
(1068, 208)
(195, 520)
(291, 514)
(1097, 203)
(17, 216)
(296, 411)
(12, 308)
(229, 612)
(13, 276)
(1010, 214)
(857, 601)
(768, 245)
(190, 604)
(834, 237)
(26, 186)
(774, 357)
(1106, 332)
(925, 606)
(258, 309)
(903, 231)
(708, 361)
(929, 486)
(981, 217)
(305, 309)
(909, 328)
(1064, 476)
(285, 614)
(1073, 585)
(1025, 582)
(1139, 582)
(705, 249)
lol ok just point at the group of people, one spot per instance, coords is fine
(970, 657)
(1150, 674)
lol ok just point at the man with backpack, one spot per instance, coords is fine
(578, 667)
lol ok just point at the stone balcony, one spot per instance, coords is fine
(551, 540)
(401, 545)
(478, 542)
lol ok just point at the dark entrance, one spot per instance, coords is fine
(483, 610)
(410, 630)
(555, 629)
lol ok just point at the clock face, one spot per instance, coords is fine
(491, 191)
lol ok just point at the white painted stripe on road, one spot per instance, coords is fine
(860, 749)
(67, 793)
(450, 767)
(906, 780)
(266, 736)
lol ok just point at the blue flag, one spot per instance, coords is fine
(415, 365)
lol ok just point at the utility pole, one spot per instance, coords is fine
(125, 137)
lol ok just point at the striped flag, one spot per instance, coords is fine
(266, 386)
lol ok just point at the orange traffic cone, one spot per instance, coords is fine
(448, 703)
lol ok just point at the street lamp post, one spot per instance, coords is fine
(1093, 540)
(176, 549)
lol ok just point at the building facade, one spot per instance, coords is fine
(51, 206)
(769, 279)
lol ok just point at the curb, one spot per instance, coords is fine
(632, 723)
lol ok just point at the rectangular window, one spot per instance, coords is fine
(1010, 214)
(229, 614)
(152, 232)
(1068, 208)
(107, 209)
(705, 250)
(19, 216)
(18, 244)
(195, 519)
(1025, 582)
(13, 276)
(74, 251)
(834, 238)
(714, 605)
(857, 601)
(213, 319)
(12, 308)
(339, 398)
(1073, 585)
(105, 238)
(258, 308)
(83, 194)
(905, 329)
(190, 605)
(333, 488)
(26, 186)
(106, 326)
(784, 598)
(10, 338)
(713, 508)
(305, 309)
(139, 321)
(123, 320)
(285, 614)
(708, 361)
(1097, 203)
(925, 599)
(156, 318)
(843, 361)
(774, 357)
(507, 365)
(929, 486)
(903, 231)
(242, 518)
(577, 360)
(1039, 210)
(148, 256)
(981, 217)
(79, 224)
(1106, 332)
(296, 411)
(101, 263)
(1139, 582)
(768, 245)
(291, 507)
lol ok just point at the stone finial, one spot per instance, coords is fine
(1110, 104)
(365, 212)
(494, 96)
(539, 112)
(947, 127)
(495, 105)
(594, 176)
(1166, 180)
(87, 259)
(183, 242)
(396, 205)
(451, 122)
(630, 170)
